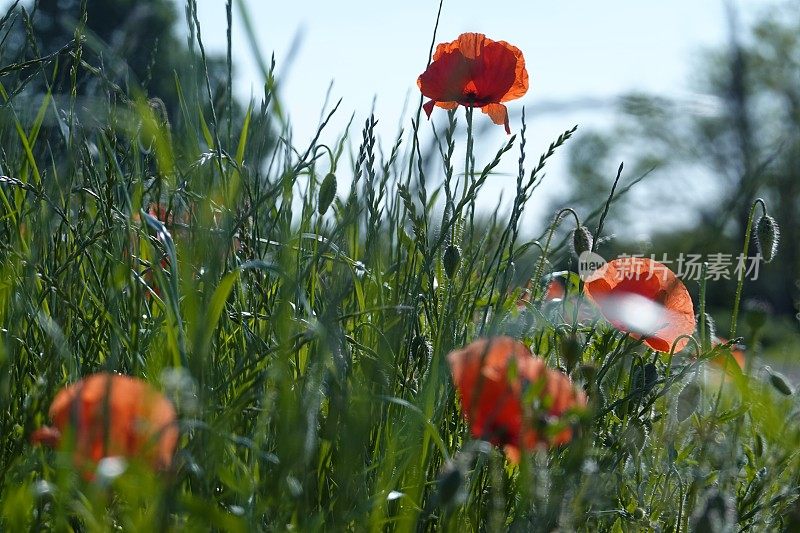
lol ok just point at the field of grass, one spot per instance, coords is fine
(297, 305)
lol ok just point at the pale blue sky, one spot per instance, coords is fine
(579, 48)
(573, 50)
(372, 50)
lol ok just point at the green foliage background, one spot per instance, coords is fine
(304, 346)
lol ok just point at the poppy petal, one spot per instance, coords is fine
(447, 105)
(494, 72)
(489, 401)
(499, 115)
(108, 414)
(629, 278)
(428, 107)
(520, 85)
(492, 376)
(47, 436)
(475, 71)
(445, 78)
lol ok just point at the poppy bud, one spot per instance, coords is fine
(638, 514)
(642, 382)
(758, 445)
(570, 351)
(588, 373)
(688, 399)
(767, 236)
(650, 376)
(421, 349)
(779, 382)
(451, 259)
(449, 483)
(327, 191)
(582, 240)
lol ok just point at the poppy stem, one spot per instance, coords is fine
(598, 233)
(468, 176)
(740, 276)
(704, 340)
(540, 265)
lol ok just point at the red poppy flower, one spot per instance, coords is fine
(106, 415)
(645, 298)
(475, 71)
(492, 377)
(554, 291)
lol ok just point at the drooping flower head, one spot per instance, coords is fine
(475, 71)
(645, 298)
(107, 415)
(493, 377)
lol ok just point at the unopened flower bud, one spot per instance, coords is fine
(451, 259)
(587, 372)
(767, 236)
(421, 349)
(327, 191)
(582, 240)
(779, 382)
(756, 314)
(570, 351)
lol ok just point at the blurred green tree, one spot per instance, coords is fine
(713, 153)
(135, 42)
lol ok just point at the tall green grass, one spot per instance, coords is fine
(305, 351)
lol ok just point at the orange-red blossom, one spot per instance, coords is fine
(645, 298)
(494, 376)
(475, 71)
(109, 415)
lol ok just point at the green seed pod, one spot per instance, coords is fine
(687, 402)
(638, 514)
(588, 373)
(767, 236)
(582, 240)
(758, 445)
(421, 349)
(327, 192)
(779, 382)
(570, 351)
(451, 259)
